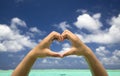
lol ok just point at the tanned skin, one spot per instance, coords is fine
(43, 50)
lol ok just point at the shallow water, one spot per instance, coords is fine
(60, 72)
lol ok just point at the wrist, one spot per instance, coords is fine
(87, 51)
(32, 54)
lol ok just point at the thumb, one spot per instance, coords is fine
(66, 53)
(54, 54)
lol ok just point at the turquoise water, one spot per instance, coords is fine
(60, 72)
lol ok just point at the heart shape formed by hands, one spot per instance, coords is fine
(77, 47)
(43, 50)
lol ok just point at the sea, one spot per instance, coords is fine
(60, 72)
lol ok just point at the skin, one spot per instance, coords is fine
(80, 49)
(43, 50)
(40, 51)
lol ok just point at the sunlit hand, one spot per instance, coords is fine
(43, 48)
(77, 47)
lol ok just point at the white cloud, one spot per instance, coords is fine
(116, 53)
(81, 10)
(101, 38)
(16, 21)
(35, 29)
(44, 61)
(97, 16)
(101, 51)
(13, 41)
(65, 47)
(108, 36)
(50, 61)
(2, 47)
(5, 31)
(63, 25)
(88, 22)
(115, 20)
(107, 57)
(10, 38)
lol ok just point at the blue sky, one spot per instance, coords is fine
(24, 23)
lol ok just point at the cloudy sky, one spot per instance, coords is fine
(24, 23)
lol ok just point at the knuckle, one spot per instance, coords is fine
(66, 31)
(54, 32)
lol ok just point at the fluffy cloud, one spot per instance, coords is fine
(50, 61)
(101, 51)
(107, 57)
(108, 36)
(17, 22)
(91, 23)
(35, 29)
(10, 38)
(63, 25)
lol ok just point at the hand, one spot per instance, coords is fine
(77, 48)
(43, 48)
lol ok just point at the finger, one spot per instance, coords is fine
(67, 53)
(67, 34)
(61, 38)
(57, 36)
(64, 35)
(54, 54)
(70, 52)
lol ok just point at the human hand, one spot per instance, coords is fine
(77, 47)
(43, 48)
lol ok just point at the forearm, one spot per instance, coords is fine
(24, 67)
(96, 67)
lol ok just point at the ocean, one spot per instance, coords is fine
(60, 72)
